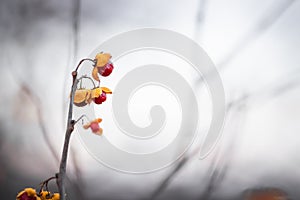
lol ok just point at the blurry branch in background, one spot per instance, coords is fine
(264, 24)
(219, 173)
(259, 28)
(78, 183)
(73, 48)
(37, 103)
(40, 113)
(76, 20)
(72, 59)
(220, 167)
(76, 24)
(200, 19)
(269, 92)
(166, 181)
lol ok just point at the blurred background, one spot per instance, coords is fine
(254, 44)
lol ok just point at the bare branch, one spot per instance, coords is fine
(70, 127)
(264, 24)
(75, 27)
(37, 103)
(164, 184)
(79, 184)
(258, 29)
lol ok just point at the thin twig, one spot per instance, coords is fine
(86, 77)
(37, 103)
(73, 46)
(271, 92)
(81, 117)
(80, 62)
(79, 183)
(38, 106)
(219, 173)
(258, 29)
(46, 183)
(76, 24)
(70, 127)
(163, 185)
(200, 19)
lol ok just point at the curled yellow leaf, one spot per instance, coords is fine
(80, 95)
(56, 196)
(88, 98)
(106, 90)
(96, 92)
(30, 193)
(98, 120)
(102, 59)
(44, 194)
(95, 74)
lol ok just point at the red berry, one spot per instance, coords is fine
(106, 69)
(101, 98)
(25, 196)
(94, 126)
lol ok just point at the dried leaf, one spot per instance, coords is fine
(95, 74)
(28, 194)
(106, 90)
(88, 98)
(44, 194)
(56, 196)
(80, 95)
(98, 120)
(102, 59)
(96, 92)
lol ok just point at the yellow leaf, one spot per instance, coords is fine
(55, 196)
(102, 59)
(106, 90)
(44, 195)
(96, 92)
(20, 194)
(30, 191)
(81, 97)
(95, 74)
(88, 98)
(98, 120)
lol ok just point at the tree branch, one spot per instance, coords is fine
(37, 103)
(61, 176)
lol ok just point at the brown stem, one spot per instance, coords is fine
(81, 117)
(61, 176)
(86, 77)
(37, 103)
(89, 59)
(46, 183)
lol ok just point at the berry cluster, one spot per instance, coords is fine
(79, 97)
(31, 194)
(104, 67)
